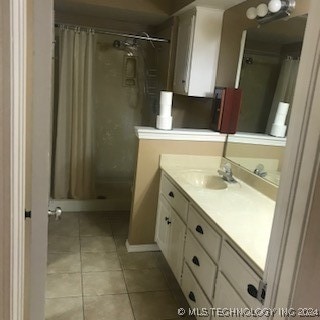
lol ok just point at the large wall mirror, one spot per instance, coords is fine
(269, 67)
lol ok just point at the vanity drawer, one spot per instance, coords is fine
(239, 274)
(203, 232)
(192, 291)
(200, 264)
(174, 197)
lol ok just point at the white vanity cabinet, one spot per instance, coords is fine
(197, 54)
(211, 271)
(171, 225)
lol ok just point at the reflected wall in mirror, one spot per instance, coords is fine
(269, 71)
(269, 68)
(258, 153)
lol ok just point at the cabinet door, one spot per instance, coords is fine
(240, 274)
(176, 244)
(162, 226)
(183, 57)
(226, 297)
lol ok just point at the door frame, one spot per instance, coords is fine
(298, 173)
(12, 156)
(296, 188)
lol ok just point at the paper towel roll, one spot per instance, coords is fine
(164, 123)
(281, 114)
(165, 103)
(278, 130)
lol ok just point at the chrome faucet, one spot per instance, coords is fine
(259, 170)
(226, 173)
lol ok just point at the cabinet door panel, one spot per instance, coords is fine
(162, 227)
(226, 297)
(176, 244)
(184, 47)
(239, 273)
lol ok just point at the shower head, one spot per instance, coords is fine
(116, 44)
(129, 47)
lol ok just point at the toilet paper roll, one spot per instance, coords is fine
(281, 114)
(165, 103)
(164, 123)
(278, 130)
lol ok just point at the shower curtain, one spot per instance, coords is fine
(74, 152)
(285, 88)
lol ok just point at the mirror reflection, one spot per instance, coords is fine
(268, 76)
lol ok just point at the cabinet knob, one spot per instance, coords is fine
(192, 296)
(199, 229)
(195, 260)
(183, 81)
(168, 222)
(171, 194)
(252, 290)
(166, 218)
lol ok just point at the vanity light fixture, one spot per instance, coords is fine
(276, 9)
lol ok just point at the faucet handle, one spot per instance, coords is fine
(260, 171)
(227, 167)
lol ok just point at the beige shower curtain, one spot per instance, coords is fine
(74, 153)
(285, 88)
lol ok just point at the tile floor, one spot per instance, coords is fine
(91, 276)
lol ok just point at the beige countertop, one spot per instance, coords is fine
(244, 214)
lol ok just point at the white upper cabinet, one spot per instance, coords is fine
(198, 48)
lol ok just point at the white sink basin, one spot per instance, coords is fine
(204, 180)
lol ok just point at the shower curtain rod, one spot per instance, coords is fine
(102, 31)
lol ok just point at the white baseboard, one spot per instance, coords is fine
(91, 205)
(141, 247)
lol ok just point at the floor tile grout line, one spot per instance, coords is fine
(170, 287)
(125, 282)
(118, 253)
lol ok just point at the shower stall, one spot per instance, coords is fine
(94, 145)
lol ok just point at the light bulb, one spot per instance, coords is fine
(251, 13)
(262, 10)
(274, 6)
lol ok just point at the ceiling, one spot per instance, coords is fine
(147, 12)
(284, 31)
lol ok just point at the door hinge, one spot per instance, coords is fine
(262, 291)
(27, 214)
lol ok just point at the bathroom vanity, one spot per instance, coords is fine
(214, 234)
